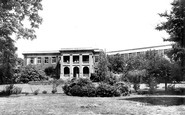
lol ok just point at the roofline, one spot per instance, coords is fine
(79, 49)
(63, 50)
(150, 47)
(41, 52)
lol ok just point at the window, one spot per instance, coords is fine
(75, 59)
(66, 59)
(85, 58)
(39, 60)
(66, 70)
(31, 60)
(96, 58)
(46, 60)
(85, 70)
(53, 60)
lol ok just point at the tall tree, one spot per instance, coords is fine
(102, 67)
(13, 16)
(175, 27)
(116, 63)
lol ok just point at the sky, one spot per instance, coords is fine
(106, 24)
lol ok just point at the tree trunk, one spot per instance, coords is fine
(165, 85)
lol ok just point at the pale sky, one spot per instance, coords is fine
(106, 24)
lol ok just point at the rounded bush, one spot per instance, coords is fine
(123, 87)
(76, 91)
(84, 87)
(89, 90)
(44, 92)
(105, 90)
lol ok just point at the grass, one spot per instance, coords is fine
(59, 104)
(31, 88)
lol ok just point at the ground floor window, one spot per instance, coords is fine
(66, 70)
(31, 60)
(53, 59)
(46, 60)
(85, 70)
(39, 60)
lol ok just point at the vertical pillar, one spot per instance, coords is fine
(25, 60)
(71, 66)
(28, 61)
(35, 60)
(61, 67)
(81, 69)
(90, 64)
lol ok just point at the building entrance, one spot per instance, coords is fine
(75, 72)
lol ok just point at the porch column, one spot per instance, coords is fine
(61, 67)
(90, 64)
(81, 69)
(71, 66)
(35, 60)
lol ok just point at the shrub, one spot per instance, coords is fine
(50, 71)
(89, 90)
(80, 87)
(44, 92)
(66, 88)
(105, 90)
(10, 89)
(16, 90)
(83, 82)
(84, 87)
(123, 87)
(26, 93)
(54, 91)
(29, 73)
(7, 91)
(36, 92)
(94, 77)
(76, 91)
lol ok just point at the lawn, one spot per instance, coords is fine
(60, 104)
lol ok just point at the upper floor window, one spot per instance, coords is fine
(66, 59)
(85, 58)
(53, 59)
(39, 60)
(96, 58)
(46, 60)
(75, 59)
(32, 60)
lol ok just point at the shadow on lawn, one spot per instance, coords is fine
(165, 101)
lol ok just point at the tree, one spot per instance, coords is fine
(116, 63)
(51, 71)
(102, 67)
(175, 27)
(158, 69)
(7, 59)
(13, 15)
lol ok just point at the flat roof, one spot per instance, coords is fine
(77, 49)
(63, 49)
(40, 52)
(150, 47)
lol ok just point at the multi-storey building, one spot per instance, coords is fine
(80, 62)
(161, 50)
(76, 62)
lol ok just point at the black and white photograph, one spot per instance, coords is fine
(92, 57)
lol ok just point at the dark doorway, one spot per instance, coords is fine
(75, 72)
(66, 71)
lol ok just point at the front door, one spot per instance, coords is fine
(76, 72)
